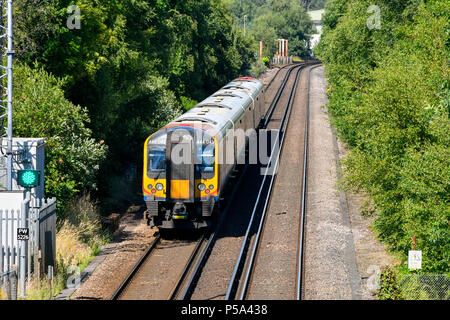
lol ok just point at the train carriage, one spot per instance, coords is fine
(188, 163)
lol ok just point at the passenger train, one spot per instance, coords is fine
(188, 163)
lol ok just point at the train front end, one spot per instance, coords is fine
(180, 178)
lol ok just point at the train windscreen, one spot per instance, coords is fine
(205, 160)
(157, 157)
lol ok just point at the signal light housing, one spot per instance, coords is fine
(28, 178)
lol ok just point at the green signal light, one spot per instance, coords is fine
(28, 178)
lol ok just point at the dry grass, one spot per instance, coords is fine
(78, 238)
(83, 218)
(70, 250)
(42, 290)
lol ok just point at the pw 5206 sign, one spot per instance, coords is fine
(23, 234)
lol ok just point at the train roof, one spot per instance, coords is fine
(225, 107)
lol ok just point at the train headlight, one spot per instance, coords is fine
(211, 187)
(201, 187)
(159, 186)
(150, 187)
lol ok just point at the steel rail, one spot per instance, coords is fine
(278, 71)
(135, 269)
(274, 102)
(300, 262)
(233, 286)
(176, 291)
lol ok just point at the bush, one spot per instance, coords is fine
(258, 68)
(389, 288)
(389, 100)
(72, 156)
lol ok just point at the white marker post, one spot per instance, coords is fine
(414, 257)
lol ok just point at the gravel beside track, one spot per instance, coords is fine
(330, 261)
(118, 258)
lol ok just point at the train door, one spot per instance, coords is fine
(180, 168)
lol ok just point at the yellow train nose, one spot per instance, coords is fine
(179, 189)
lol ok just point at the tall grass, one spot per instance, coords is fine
(78, 240)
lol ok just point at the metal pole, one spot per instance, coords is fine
(13, 283)
(279, 49)
(261, 49)
(23, 254)
(9, 89)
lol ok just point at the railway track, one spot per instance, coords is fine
(300, 258)
(196, 252)
(117, 294)
(242, 274)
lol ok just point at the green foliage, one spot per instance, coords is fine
(41, 110)
(389, 101)
(389, 287)
(268, 20)
(258, 69)
(187, 103)
(400, 284)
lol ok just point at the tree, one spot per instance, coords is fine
(285, 19)
(389, 99)
(73, 157)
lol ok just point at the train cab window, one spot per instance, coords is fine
(157, 157)
(206, 159)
